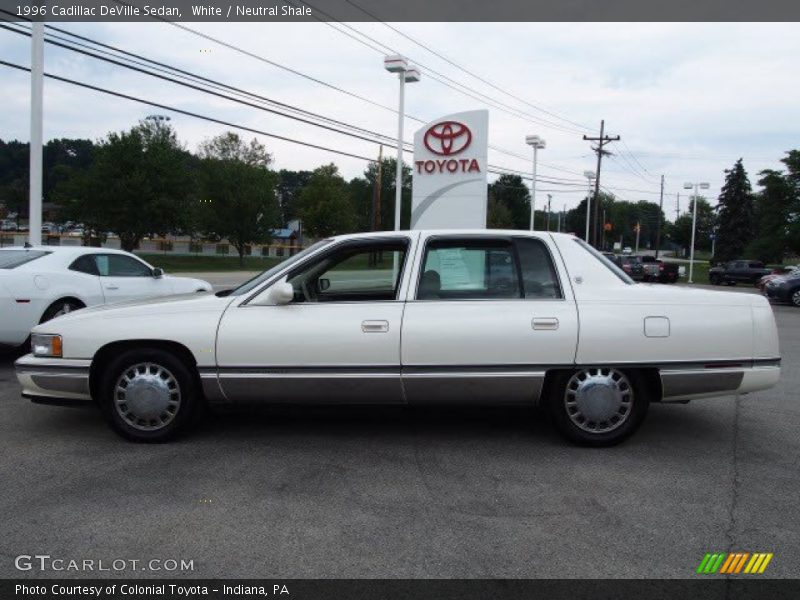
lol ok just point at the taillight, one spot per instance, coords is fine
(660, 267)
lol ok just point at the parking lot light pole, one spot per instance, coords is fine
(537, 144)
(406, 74)
(689, 186)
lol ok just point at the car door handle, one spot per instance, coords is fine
(374, 326)
(112, 287)
(545, 323)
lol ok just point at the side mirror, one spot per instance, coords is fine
(158, 272)
(323, 284)
(280, 293)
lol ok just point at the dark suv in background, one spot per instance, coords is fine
(738, 271)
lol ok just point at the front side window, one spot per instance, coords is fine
(469, 269)
(360, 272)
(118, 265)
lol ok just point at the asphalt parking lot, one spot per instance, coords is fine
(393, 493)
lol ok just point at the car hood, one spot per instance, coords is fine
(164, 305)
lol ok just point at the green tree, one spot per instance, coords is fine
(736, 214)
(139, 184)
(680, 232)
(326, 205)
(792, 162)
(512, 197)
(498, 215)
(772, 215)
(238, 200)
(363, 203)
(290, 184)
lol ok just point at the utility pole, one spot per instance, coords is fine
(638, 230)
(601, 141)
(660, 210)
(678, 207)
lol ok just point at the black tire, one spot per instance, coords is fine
(556, 406)
(60, 307)
(715, 280)
(176, 421)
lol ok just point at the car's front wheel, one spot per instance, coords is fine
(715, 280)
(149, 395)
(795, 297)
(597, 406)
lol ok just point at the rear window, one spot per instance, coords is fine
(606, 263)
(11, 259)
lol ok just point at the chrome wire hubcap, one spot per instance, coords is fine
(147, 396)
(598, 400)
(796, 298)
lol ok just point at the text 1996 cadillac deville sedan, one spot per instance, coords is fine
(414, 317)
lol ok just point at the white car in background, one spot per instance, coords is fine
(43, 282)
(414, 317)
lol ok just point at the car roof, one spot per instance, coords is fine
(428, 232)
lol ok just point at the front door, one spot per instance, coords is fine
(338, 341)
(489, 315)
(127, 278)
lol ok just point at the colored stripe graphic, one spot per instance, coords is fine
(731, 563)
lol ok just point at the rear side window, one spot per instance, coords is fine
(607, 263)
(469, 270)
(539, 278)
(11, 259)
(85, 264)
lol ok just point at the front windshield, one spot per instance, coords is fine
(606, 262)
(261, 278)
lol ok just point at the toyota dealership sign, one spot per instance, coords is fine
(450, 172)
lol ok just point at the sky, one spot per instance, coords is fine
(687, 99)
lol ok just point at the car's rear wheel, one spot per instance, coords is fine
(149, 395)
(597, 406)
(796, 297)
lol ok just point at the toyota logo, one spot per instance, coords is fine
(447, 138)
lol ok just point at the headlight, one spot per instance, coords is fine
(46, 345)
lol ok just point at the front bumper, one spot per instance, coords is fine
(54, 380)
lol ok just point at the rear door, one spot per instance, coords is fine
(486, 316)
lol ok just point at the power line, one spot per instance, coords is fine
(436, 75)
(467, 71)
(499, 169)
(188, 113)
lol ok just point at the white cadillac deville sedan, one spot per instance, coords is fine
(414, 317)
(43, 282)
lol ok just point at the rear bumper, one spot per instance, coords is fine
(54, 380)
(679, 385)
